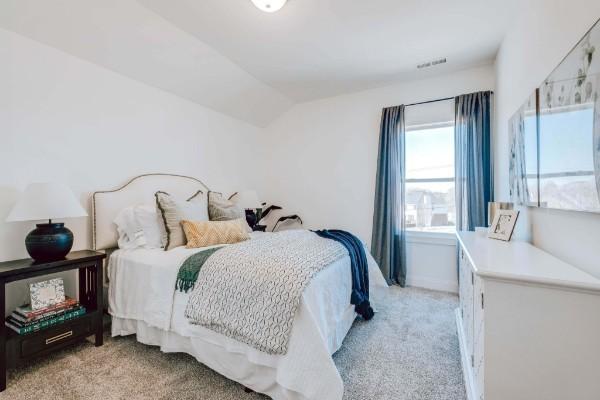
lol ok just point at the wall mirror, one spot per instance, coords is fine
(523, 173)
(555, 135)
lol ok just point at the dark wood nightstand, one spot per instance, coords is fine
(16, 349)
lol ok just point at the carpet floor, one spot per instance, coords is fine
(408, 351)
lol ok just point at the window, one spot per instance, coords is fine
(429, 202)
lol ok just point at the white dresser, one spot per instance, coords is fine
(528, 323)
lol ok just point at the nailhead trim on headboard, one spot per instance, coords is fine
(125, 185)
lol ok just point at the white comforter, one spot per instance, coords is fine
(143, 300)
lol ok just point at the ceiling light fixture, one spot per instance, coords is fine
(269, 6)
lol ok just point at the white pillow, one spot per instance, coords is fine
(139, 226)
(151, 223)
(126, 228)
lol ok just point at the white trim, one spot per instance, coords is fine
(438, 180)
(429, 125)
(434, 238)
(433, 284)
(465, 358)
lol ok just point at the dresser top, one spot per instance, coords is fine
(521, 261)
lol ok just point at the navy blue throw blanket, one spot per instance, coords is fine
(360, 269)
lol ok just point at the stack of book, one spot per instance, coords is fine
(25, 320)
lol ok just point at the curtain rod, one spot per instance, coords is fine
(429, 101)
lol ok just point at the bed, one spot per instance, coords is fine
(143, 301)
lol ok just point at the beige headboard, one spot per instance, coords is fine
(139, 190)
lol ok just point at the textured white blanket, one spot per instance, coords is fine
(251, 291)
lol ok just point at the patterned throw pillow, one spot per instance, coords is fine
(221, 209)
(210, 233)
(174, 211)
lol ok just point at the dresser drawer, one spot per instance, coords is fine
(55, 337)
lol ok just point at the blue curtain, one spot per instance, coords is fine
(474, 169)
(387, 242)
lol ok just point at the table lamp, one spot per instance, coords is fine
(46, 201)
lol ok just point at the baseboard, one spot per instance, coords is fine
(465, 358)
(433, 284)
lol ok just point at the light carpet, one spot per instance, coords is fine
(408, 351)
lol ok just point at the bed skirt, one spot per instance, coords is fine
(275, 376)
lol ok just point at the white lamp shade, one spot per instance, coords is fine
(269, 5)
(46, 201)
(247, 199)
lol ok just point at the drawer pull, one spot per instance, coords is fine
(59, 337)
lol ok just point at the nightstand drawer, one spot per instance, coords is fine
(55, 337)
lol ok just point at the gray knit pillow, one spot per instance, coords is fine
(221, 209)
(173, 211)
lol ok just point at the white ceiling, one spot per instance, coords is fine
(126, 37)
(229, 56)
(319, 48)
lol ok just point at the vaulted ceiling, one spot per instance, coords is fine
(229, 56)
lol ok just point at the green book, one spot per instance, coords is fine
(44, 324)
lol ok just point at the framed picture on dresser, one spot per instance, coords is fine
(503, 225)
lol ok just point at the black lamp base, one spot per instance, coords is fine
(253, 216)
(49, 242)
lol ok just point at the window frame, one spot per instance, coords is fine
(419, 236)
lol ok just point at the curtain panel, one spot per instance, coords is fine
(474, 169)
(388, 239)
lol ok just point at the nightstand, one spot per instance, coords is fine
(16, 349)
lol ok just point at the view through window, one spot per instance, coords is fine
(429, 203)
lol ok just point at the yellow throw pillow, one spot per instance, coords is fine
(210, 233)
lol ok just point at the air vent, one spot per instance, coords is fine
(431, 63)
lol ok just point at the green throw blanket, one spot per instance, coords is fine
(189, 270)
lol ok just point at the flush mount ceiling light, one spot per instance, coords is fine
(269, 5)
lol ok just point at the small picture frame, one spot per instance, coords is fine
(503, 225)
(47, 293)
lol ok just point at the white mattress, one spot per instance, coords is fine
(143, 301)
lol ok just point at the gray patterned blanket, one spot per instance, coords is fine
(251, 291)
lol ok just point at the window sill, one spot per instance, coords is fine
(435, 238)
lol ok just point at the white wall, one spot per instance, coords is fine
(322, 155)
(540, 37)
(431, 263)
(68, 120)
(65, 119)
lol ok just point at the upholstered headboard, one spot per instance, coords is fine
(139, 190)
